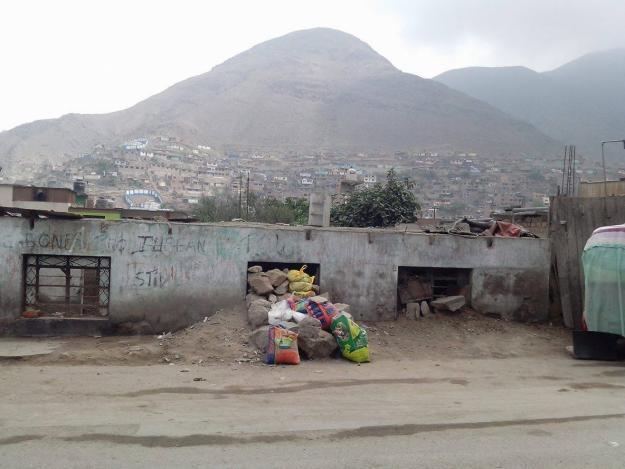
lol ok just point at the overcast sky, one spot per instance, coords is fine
(93, 56)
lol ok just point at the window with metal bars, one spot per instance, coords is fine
(67, 286)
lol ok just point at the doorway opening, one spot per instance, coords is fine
(416, 284)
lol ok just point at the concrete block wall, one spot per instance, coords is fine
(173, 274)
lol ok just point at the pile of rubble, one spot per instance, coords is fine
(290, 300)
(272, 285)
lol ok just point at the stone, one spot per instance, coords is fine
(251, 297)
(257, 314)
(326, 295)
(425, 309)
(313, 341)
(260, 338)
(413, 310)
(272, 298)
(282, 288)
(315, 288)
(286, 296)
(276, 276)
(341, 307)
(449, 303)
(262, 302)
(255, 269)
(308, 324)
(260, 283)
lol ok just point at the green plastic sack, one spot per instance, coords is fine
(352, 340)
(604, 280)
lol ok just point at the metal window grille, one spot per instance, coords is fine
(67, 286)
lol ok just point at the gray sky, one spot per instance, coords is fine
(93, 56)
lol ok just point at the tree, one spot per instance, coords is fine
(381, 205)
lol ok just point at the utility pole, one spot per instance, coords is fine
(247, 198)
(240, 191)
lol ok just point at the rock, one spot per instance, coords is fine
(272, 298)
(260, 283)
(341, 307)
(257, 314)
(425, 309)
(315, 288)
(260, 338)
(282, 288)
(251, 297)
(449, 303)
(255, 269)
(286, 296)
(326, 295)
(262, 302)
(308, 324)
(276, 276)
(313, 341)
(413, 311)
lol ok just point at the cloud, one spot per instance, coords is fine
(541, 34)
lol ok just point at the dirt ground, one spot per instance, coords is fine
(223, 339)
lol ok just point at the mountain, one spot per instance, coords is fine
(311, 89)
(581, 102)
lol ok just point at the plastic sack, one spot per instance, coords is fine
(299, 317)
(352, 340)
(300, 276)
(300, 286)
(297, 304)
(282, 348)
(280, 311)
(304, 294)
(297, 275)
(323, 312)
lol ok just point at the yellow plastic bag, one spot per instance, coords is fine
(304, 294)
(300, 286)
(297, 275)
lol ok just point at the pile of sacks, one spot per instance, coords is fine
(298, 323)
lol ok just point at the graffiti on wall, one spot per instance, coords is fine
(159, 276)
(168, 245)
(64, 241)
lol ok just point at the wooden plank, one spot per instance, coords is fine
(559, 243)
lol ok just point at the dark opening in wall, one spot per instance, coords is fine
(312, 269)
(415, 284)
(67, 286)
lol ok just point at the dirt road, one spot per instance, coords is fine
(535, 411)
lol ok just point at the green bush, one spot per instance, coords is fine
(382, 205)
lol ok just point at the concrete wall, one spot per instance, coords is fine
(598, 189)
(172, 274)
(6, 195)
